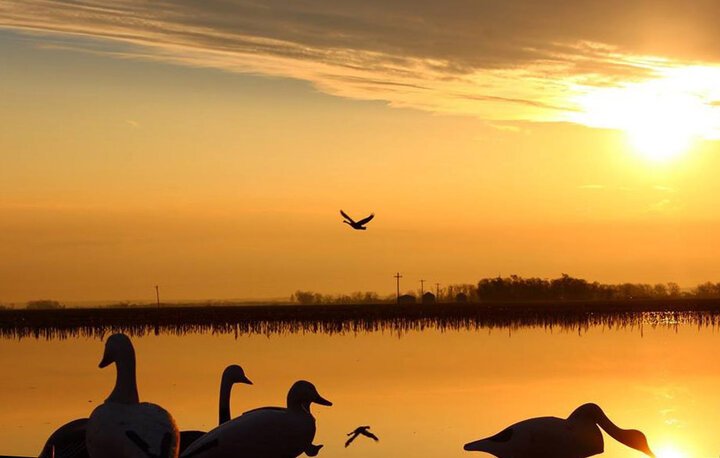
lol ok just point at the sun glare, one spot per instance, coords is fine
(663, 117)
(670, 452)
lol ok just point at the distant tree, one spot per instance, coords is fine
(673, 290)
(305, 297)
(44, 305)
(707, 290)
(660, 291)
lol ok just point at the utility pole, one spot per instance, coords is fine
(437, 292)
(422, 288)
(157, 295)
(397, 282)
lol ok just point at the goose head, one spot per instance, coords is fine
(637, 440)
(235, 374)
(304, 393)
(118, 349)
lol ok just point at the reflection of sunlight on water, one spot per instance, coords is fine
(670, 451)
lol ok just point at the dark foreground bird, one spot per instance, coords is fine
(577, 436)
(358, 431)
(357, 225)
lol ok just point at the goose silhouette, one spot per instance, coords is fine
(123, 427)
(360, 430)
(357, 225)
(267, 432)
(231, 375)
(68, 441)
(578, 436)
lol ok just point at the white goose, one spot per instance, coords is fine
(267, 432)
(123, 427)
(578, 436)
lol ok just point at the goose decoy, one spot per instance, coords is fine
(578, 436)
(267, 432)
(231, 375)
(357, 225)
(361, 430)
(68, 441)
(123, 427)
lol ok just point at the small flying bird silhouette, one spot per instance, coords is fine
(358, 431)
(357, 225)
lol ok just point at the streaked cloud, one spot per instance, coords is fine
(511, 60)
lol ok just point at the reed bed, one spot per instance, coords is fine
(361, 318)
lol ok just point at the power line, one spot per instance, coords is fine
(397, 281)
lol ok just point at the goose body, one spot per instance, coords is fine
(577, 436)
(68, 441)
(142, 430)
(268, 432)
(123, 427)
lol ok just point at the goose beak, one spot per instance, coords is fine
(471, 447)
(247, 381)
(322, 401)
(106, 361)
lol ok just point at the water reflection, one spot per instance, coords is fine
(425, 394)
(98, 323)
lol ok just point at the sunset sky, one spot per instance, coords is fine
(208, 146)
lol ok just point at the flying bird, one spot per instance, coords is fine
(358, 431)
(577, 436)
(357, 225)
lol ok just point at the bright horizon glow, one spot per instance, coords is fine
(669, 451)
(663, 118)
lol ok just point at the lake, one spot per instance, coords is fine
(424, 392)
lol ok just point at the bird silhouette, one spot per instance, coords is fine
(358, 431)
(267, 432)
(357, 225)
(577, 436)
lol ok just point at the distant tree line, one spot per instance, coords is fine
(359, 297)
(44, 304)
(516, 288)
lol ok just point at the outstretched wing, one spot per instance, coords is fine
(366, 220)
(347, 217)
(351, 439)
(371, 435)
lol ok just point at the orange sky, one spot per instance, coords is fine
(209, 148)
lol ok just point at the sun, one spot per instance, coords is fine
(663, 117)
(662, 128)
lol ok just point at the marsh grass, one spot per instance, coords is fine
(569, 316)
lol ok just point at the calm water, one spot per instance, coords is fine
(424, 394)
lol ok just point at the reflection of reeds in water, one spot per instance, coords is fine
(338, 319)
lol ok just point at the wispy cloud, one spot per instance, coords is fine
(510, 60)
